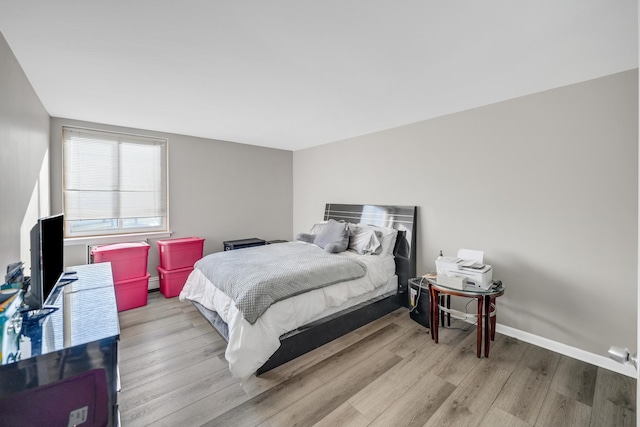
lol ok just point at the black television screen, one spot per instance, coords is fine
(47, 258)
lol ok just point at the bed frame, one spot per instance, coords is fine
(320, 332)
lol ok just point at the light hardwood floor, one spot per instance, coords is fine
(387, 373)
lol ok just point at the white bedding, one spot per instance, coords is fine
(250, 346)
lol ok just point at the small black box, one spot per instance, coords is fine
(230, 245)
(419, 306)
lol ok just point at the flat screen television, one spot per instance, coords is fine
(47, 259)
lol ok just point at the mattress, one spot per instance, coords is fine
(250, 346)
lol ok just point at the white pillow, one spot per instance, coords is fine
(387, 238)
(364, 240)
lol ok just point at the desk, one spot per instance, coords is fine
(486, 314)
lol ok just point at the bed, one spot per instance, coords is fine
(311, 318)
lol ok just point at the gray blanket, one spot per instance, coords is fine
(254, 278)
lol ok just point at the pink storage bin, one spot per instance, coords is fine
(132, 293)
(172, 281)
(128, 260)
(180, 253)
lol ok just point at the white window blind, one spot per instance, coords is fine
(113, 183)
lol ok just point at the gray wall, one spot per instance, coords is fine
(217, 190)
(546, 185)
(24, 171)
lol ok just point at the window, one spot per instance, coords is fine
(113, 183)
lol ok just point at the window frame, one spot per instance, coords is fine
(119, 230)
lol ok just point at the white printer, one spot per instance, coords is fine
(454, 270)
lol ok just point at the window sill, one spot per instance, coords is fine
(116, 238)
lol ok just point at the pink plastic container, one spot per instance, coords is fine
(132, 293)
(172, 281)
(180, 253)
(128, 260)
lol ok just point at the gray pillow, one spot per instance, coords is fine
(305, 237)
(334, 237)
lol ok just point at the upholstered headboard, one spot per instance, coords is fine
(401, 218)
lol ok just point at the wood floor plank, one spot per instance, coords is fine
(524, 392)
(134, 349)
(155, 372)
(614, 400)
(416, 338)
(166, 320)
(417, 405)
(506, 352)
(462, 359)
(469, 402)
(353, 355)
(142, 315)
(156, 305)
(201, 411)
(498, 418)
(213, 348)
(316, 405)
(344, 415)
(404, 319)
(175, 399)
(456, 332)
(384, 391)
(559, 410)
(260, 408)
(156, 334)
(133, 395)
(575, 379)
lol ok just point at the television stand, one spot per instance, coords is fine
(68, 358)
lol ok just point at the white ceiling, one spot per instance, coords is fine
(292, 74)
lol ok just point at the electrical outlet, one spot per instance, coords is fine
(414, 294)
(78, 416)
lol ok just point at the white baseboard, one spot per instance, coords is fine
(576, 353)
(154, 283)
